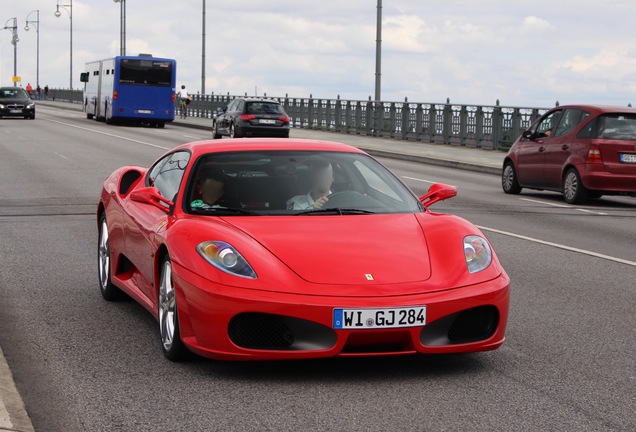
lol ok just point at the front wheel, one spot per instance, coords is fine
(573, 190)
(171, 343)
(108, 290)
(509, 181)
(233, 131)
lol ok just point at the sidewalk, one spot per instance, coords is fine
(13, 416)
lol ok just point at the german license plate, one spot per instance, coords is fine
(628, 158)
(266, 121)
(360, 319)
(15, 111)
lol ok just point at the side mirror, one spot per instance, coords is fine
(84, 77)
(529, 135)
(150, 195)
(438, 192)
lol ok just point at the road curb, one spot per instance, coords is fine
(13, 415)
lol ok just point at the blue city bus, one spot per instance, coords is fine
(138, 89)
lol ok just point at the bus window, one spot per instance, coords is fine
(145, 72)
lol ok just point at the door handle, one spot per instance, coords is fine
(565, 147)
(542, 149)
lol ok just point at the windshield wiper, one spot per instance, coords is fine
(333, 211)
(231, 210)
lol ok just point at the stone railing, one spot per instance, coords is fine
(481, 126)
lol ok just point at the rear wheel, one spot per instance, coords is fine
(509, 181)
(108, 290)
(171, 343)
(216, 134)
(573, 190)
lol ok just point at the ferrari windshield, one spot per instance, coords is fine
(299, 183)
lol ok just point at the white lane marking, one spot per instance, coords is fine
(545, 202)
(563, 206)
(110, 135)
(422, 180)
(560, 246)
(192, 136)
(61, 155)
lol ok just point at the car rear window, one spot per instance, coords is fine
(615, 126)
(264, 108)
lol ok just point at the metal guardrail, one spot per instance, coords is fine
(480, 126)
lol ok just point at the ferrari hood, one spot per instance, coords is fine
(344, 250)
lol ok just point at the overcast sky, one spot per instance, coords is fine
(524, 53)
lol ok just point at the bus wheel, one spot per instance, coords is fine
(161, 125)
(89, 116)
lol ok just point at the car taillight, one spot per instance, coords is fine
(594, 155)
(174, 98)
(284, 119)
(114, 94)
(248, 117)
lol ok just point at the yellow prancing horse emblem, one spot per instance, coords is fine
(369, 276)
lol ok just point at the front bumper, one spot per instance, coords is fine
(17, 112)
(232, 323)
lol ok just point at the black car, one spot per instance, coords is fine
(15, 102)
(245, 117)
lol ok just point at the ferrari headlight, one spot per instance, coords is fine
(477, 252)
(224, 257)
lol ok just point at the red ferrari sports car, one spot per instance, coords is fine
(286, 249)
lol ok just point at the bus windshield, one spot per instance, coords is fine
(145, 72)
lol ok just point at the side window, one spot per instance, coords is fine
(545, 125)
(167, 174)
(570, 119)
(240, 106)
(231, 106)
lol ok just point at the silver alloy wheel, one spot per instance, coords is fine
(232, 130)
(508, 177)
(167, 306)
(103, 258)
(571, 185)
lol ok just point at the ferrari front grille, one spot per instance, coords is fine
(474, 325)
(263, 331)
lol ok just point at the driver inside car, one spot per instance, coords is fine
(321, 175)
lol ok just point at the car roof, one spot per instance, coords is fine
(254, 99)
(598, 108)
(264, 144)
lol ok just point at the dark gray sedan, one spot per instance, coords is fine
(245, 117)
(15, 102)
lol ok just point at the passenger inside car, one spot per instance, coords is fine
(321, 176)
(213, 189)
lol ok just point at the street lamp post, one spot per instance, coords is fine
(378, 52)
(122, 27)
(203, 51)
(69, 9)
(14, 41)
(37, 30)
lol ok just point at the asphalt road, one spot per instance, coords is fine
(80, 363)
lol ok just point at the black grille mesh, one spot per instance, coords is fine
(260, 331)
(474, 324)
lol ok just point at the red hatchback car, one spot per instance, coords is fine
(582, 151)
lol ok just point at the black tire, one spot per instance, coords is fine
(106, 287)
(216, 134)
(509, 181)
(89, 116)
(233, 131)
(573, 190)
(169, 332)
